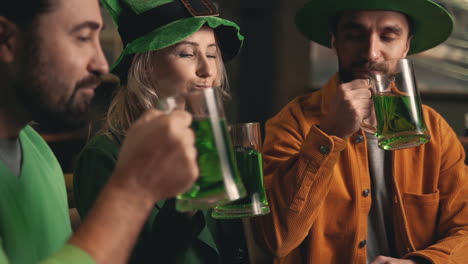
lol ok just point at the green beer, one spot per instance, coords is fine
(209, 189)
(398, 117)
(249, 162)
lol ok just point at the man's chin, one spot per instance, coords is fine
(56, 122)
(355, 75)
(360, 75)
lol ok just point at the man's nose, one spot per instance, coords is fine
(372, 51)
(98, 63)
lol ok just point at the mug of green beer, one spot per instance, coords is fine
(219, 181)
(397, 105)
(246, 138)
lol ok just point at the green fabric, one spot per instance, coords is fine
(3, 257)
(69, 254)
(432, 23)
(168, 236)
(227, 32)
(34, 218)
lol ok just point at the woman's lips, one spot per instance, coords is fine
(200, 87)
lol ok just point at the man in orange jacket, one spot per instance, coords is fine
(335, 196)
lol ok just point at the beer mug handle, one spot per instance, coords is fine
(171, 103)
(368, 128)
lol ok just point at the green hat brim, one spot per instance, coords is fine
(432, 23)
(227, 33)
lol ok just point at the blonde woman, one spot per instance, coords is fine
(170, 47)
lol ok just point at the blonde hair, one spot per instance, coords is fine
(140, 93)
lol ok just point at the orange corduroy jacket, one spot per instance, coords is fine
(317, 187)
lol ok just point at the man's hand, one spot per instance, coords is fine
(388, 260)
(157, 160)
(351, 105)
(158, 156)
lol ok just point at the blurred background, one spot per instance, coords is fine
(277, 64)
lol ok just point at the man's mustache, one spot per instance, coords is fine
(363, 65)
(91, 80)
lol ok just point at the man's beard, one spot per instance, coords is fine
(35, 91)
(346, 75)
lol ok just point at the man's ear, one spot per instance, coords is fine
(333, 47)
(8, 40)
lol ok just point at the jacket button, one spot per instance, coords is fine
(366, 192)
(358, 139)
(362, 244)
(240, 257)
(324, 149)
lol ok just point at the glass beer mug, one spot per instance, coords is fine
(246, 138)
(397, 105)
(219, 181)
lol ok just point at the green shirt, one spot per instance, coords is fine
(168, 236)
(34, 218)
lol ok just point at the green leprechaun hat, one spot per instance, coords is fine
(148, 25)
(432, 24)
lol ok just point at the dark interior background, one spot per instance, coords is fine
(277, 64)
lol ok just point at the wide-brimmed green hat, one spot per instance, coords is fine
(148, 25)
(432, 24)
